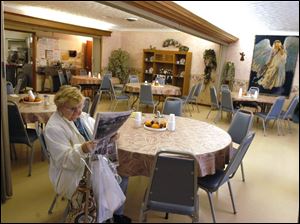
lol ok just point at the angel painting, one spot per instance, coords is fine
(273, 66)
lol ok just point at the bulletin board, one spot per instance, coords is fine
(48, 50)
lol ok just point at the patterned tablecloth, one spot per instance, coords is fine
(34, 112)
(167, 90)
(138, 146)
(77, 80)
(260, 99)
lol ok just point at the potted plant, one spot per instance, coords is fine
(210, 62)
(118, 64)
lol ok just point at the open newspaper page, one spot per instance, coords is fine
(106, 126)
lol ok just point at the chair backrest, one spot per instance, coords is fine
(41, 137)
(198, 89)
(240, 125)
(17, 130)
(83, 72)
(191, 93)
(226, 100)
(9, 87)
(173, 182)
(94, 104)
(252, 90)
(291, 108)
(276, 108)
(161, 80)
(86, 104)
(237, 158)
(111, 86)
(224, 86)
(146, 94)
(69, 76)
(172, 105)
(61, 76)
(213, 97)
(18, 86)
(133, 79)
(105, 84)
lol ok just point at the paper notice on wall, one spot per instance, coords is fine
(49, 55)
(56, 55)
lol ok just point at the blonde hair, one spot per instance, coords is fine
(69, 94)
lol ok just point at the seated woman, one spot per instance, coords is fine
(68, 135)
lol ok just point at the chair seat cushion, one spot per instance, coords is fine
(22, 140)
(150, 102)
(264, 115)
(122, 97)
(32, 135)
(210, 182)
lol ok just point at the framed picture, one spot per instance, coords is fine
(273, 64)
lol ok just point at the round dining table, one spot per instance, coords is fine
(165, 90)
(137, 146)
(32, 112)
(89, 84)
(263, 100)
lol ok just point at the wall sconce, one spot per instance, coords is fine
(242, 56)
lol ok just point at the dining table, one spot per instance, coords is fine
(90, 84)
(265, 101)
(137, 146)
(34, 111)
(161, 91)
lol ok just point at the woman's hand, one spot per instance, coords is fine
(88, 146)
(115, 137)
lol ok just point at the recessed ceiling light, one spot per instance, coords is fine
(132, 19)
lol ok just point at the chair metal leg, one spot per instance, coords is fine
(242, 170)
(52, 204)
(208, 113)
(30, 160)
(278, 127)
(218, 116)
(231, 196)
(289, 124)
(115, 105)
(211, 206)
(195, 218)
(264, 126)
(167, 215)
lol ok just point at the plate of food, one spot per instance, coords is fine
(27, 100)
(153, 125)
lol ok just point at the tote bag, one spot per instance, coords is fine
(108, 194)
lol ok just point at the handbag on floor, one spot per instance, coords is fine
(82, 207)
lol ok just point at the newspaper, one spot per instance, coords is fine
(106, 126)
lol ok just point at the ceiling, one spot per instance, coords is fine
(232, 17)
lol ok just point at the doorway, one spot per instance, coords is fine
(18, 56)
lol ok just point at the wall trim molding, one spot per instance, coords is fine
(18, 21)
(172, 15)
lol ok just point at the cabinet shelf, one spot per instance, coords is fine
(167, 61)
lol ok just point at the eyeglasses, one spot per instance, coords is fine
(73, 109)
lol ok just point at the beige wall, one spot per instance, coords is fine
(135, 42)
(66, 42)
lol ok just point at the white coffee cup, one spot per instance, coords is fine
(171, 123)
(138, 119)
(46, 100)
(172, 117)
